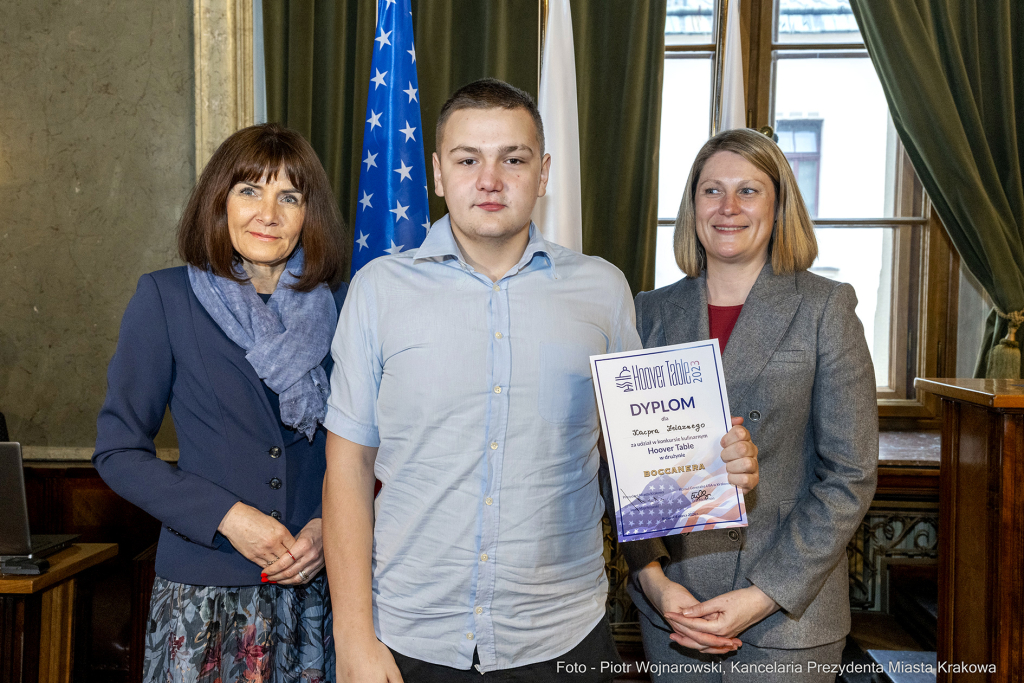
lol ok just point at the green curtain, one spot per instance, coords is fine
(620, 57)
(953, 75)
(318, 74)
(318, 69)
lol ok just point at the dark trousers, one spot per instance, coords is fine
(594, 660)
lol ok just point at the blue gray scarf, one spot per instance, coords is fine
(285, 339)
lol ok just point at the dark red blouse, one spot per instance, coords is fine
(721, 320)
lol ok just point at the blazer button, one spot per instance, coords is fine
(275, 483)
(275, 452)
(755, 416)
(275, 514)
(734, 535)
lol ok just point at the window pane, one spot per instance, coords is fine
(806, 141)
(857, 155)
(786, 143)
(816, 21)
(665, 269)
(685, 123)
(863, 258)
(807, 174)
(690, 22)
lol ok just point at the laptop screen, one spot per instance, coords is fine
(14, 531)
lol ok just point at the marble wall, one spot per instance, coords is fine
(97, 153)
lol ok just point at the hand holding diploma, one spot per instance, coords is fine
(739, 454)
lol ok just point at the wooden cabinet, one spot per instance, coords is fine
(981, 527)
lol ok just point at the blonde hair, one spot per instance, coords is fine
(792, 246)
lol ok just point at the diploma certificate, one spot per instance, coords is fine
(664, 412)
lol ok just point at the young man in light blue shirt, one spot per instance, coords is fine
(462, 383)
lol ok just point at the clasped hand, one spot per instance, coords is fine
(266, 542)
(712, 626)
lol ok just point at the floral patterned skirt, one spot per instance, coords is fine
(246, 634)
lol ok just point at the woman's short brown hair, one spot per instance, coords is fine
(792, 246)
(247, 156)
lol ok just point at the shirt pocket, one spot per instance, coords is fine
(565, 389)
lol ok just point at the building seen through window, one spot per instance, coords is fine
(800, 141)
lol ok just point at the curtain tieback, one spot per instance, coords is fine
(1004, 357)
(1014, 320)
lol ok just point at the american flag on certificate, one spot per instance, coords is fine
(393, 214)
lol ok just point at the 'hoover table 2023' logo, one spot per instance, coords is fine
(672, 373)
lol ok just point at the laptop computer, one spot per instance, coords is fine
(15, 539)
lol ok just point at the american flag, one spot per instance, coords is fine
(393, 214)
(658, 509)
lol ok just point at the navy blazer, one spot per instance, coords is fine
(170, 352)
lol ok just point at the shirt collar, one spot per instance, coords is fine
(439, 244)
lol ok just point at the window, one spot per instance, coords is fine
(810, 78)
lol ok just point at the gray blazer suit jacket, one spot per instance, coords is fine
(799, 372)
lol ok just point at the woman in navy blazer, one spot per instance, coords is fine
(236, 344)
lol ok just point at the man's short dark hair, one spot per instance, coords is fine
(489, 93)
(248, 155)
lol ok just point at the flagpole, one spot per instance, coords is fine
(542, 20)
(716, 100)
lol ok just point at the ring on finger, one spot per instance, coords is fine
(291, 556)
(302, 575)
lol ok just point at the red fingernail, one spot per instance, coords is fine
(273, 582)
(263, 578)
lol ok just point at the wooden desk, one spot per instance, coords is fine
(37, 616)
(981, 526)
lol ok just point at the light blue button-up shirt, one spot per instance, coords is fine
(487, 531)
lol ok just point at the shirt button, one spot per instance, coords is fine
(469, 636)
(755, 416)
(275, 483)
(489, 501)
(479, 610)
(483, 557)
(498, 335)
(734, 535)
(275, 452)
(497, 389)
(275, 514)
(496, 288)
(494, 445)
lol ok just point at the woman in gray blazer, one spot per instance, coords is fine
(769, 602)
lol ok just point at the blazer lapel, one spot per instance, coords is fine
(217, 349)
(685, 313)
(766, 316)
